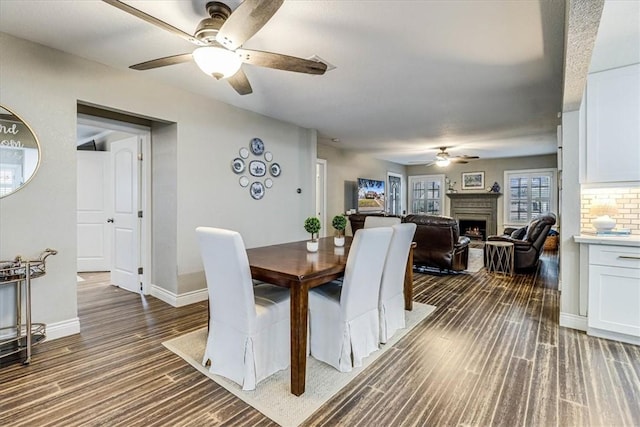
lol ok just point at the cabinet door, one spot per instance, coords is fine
(614, 299)
(613, 129)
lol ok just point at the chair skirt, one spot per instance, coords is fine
(248, 357)
(391, 316)
(341, 344)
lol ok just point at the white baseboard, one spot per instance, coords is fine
(63, 329)
(181, 300)
(573, 321)
(615, 336)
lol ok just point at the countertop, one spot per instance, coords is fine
(633, 240)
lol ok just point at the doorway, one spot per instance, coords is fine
(114, 208)
(321, 195)
(394, 195)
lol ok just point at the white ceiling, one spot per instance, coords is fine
(482, 77)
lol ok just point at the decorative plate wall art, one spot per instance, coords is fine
(257, 190)
(257, 168)
(275, 170)
(257, 146)
(254, 162)
(238, 165)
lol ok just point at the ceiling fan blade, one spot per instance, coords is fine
(155, 21)
(162, 62)
(425, 163)
(240, 83)
(281, 62)
(245, 21)
(458, 160)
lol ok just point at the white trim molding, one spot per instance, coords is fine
(615, 336)
(573, 321)
(181, 300)
(63, 329)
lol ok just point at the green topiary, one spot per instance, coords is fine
(312, 225)
(339, 222)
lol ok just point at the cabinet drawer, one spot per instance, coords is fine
(614, 256)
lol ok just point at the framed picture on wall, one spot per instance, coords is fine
(473, 180)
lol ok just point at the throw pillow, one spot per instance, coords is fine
(519, 233)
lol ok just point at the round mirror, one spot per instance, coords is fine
(19, 152)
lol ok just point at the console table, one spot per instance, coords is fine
(20, 337)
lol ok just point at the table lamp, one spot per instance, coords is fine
(602, 209)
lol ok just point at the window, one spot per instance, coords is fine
(529, 193)
(426, 194)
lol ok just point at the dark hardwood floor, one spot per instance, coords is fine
(491, 354)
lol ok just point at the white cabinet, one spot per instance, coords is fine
(614, 292)
(612, 152)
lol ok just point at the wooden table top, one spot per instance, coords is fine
(289, 264)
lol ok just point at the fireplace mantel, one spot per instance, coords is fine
(476, 206)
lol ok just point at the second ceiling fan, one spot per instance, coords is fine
(443, 159)
(219, 39)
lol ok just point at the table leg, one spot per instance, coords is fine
(408, 281)
(299, 307)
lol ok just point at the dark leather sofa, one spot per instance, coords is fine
(439, 244)
(528, 241)
(357, 220)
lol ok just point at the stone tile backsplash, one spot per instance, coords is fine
(627, 200)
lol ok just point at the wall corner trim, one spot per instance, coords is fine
(573, 321)
(63, 329)
(181, 300)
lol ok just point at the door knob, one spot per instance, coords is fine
(110, 220)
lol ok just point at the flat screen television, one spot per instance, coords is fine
(370, 195)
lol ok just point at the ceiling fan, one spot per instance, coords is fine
(444, 159)
(219, 39)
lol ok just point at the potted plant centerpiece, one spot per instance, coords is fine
(312, 226)
(339, 222)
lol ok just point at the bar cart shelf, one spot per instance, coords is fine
(20, 337)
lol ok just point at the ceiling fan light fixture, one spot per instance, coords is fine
(217, 61)
(442, 162)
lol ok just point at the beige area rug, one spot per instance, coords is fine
(476, 261)
(272, 396)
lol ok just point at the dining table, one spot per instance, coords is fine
(292, 266)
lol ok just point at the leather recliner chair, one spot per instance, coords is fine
(439, 244)
(527, 241)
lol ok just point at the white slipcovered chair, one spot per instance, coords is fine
(249, 325)
(391, 303)
(343, 316)
(380, 221)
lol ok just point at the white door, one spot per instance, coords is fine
(126, 224)
(94, 207)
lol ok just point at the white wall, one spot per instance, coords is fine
(43, 86)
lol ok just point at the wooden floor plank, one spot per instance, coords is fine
(571, 372)
(542, 407)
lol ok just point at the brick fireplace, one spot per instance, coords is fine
(477, 213)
